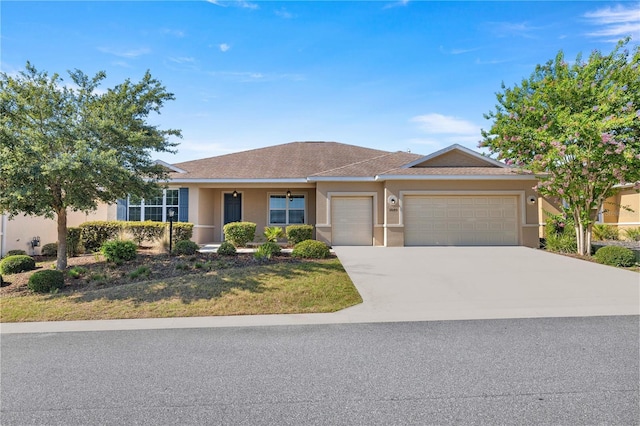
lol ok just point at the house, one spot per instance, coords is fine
(352, 195)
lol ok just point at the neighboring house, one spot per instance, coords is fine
(352, 195)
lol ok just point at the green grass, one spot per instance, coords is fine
(305, 287)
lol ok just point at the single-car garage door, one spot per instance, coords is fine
(465, 220)
(352, 221)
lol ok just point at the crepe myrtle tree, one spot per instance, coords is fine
(577, 125)
(69, 146)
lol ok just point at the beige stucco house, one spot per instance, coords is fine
(352, 195)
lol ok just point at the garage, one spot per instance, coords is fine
(352, 221)
(461, 220)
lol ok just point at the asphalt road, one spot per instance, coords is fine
(570, 371)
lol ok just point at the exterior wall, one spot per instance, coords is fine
(326, 190)
(16, 233)
(520, 188)
(622, 210)
(206, 208)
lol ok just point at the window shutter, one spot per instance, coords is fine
(183, 206)
(121, 213)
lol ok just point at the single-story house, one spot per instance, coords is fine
(352, 195)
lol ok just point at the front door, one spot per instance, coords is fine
(232, 208)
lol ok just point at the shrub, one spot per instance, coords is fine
(145, 231)
(46, 280)
(299, 233)
(119, 251)
(49, 250)
(74, 235)
(311, 249)
(17, 263)
(272, 233)
(95, 234)
(560, 234)
(632, 234)
(181, 231)
(186, 248)
(239, 233)
(227, 249)
(601, 232)
(615, 256)
(77, 271)
(266, 250)
(16, 253)
(142, 271)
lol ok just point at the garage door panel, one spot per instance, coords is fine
(461, 220)
(352, 221)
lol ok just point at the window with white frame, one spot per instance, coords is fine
(155, 209)
(285, 210)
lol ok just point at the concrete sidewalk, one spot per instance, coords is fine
(434, 284)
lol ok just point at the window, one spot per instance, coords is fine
(155, 209)
(286, 211)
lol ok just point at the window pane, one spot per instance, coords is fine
(155, 201)
(277, 202)
(296, 216)
(153, 213)
(172, 197)
(297, 202)
(175, 213)
(134, 213)
(277, 216)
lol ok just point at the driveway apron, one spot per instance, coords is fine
(450, 283)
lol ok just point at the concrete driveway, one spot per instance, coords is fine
(446, 283)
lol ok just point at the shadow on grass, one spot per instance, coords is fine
(207, 285)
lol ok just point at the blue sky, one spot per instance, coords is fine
(407, 75)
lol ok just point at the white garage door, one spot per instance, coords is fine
(460, 220)
(352, 221)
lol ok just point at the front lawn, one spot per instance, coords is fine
(164, 286)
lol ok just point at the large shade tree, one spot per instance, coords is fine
(576, 124)
(68, 146)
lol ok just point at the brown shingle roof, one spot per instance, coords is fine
(291, 160)
(456, 171)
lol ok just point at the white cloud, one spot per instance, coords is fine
(617, 22)
(237, 3)
(130, 53)
(512, 29)
(396, 4)
(175, 33)
(443, 124)
(284, 14)
(182, 59)
(224, 47)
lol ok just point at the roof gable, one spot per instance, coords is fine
(455, 156)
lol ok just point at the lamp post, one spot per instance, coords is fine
(171, 214)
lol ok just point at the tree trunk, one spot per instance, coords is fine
(61, 263)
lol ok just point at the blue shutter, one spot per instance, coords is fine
(122, 209)
(183, 205)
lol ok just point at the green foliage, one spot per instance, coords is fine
(632, 234)
(145, 231)
(181, 231)
(17, 263)
(142, 271)
(182, 266)
(74, 236)
(266, 250)
(46, 281)
(119, 251)
(299, 233)
(77, 272)
(49, 250)
(311, 249)
(16, 253)
(239, 233)
(186, 248)
(227, 249)
(272, 233)
(603, 232)
(95, 234)
(560, 234)
(615, 256)
(575, 123)
(70, 144)
(1, 281)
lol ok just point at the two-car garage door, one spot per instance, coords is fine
(454, 220)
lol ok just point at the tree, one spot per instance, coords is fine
(68, 147)
(577, 126)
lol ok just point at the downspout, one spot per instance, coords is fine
(3, 234)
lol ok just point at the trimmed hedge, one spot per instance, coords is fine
(145, 231)
(239, 233)
(299, 233)
(46, 280)
(311, 249)
(181, 231)
(49, 250)
(227, 249)
(16, 253)
(615, 256)
(119, 251)
(74, 236)
(185, 247)
(16, 264)
(96, 233)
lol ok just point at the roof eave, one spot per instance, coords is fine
(237, 180)
(341, 179)
(382, 178)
